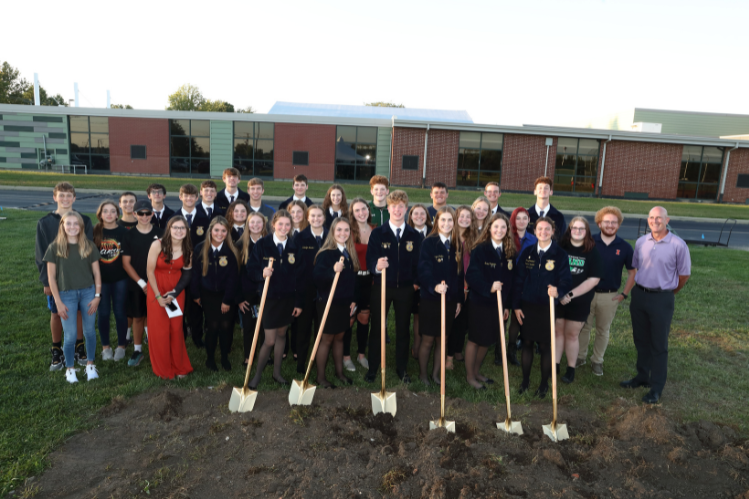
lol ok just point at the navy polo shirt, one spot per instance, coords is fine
(614, 257)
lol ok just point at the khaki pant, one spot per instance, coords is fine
(602, 312)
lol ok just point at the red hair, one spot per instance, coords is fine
(514, 229)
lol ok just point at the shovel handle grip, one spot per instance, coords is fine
(258, 324)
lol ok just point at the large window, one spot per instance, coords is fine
(190, 144)
(253, 148)
(576, 166)
(89, 142)
(355, 153)
(479, 158)
(700, 172)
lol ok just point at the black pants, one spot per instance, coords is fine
(219, 327)
(304, 327)
(401, 298)
(651, 315)
(193, 316)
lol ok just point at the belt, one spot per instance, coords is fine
(652, 290)
(363, 272)
(607, 290)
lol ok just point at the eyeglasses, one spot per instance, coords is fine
(177, 227)
(610, 223)
(578, 229)
(144, 213)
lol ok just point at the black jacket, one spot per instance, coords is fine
(329, 218)
(308, 248)
(198, 226)
(46, 231)
(288, 270)
(435, 266)
(217, 211)
(246, 289)
(222, 275)
(403, 257)
(485, 268)
(324, 274)
(533, 275)
(161, 223)
(284, 204)
(554, 214)
(223, 203)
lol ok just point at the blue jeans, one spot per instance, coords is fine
(77, 300)
(113, 298)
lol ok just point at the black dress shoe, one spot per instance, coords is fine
(542, 391)
(512, 357)
(652, 397)
(634, 383)
(226, 364)
(211, 365)
(482, 387)
(346, 380)
(370, 377)
(489, 381)
(198, 342)
(522, 389)
(405, 378)
(300, 370)
(281, 381)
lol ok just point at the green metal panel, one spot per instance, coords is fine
(695, 124)
(222, 146)
(23, 136)
(382, 167)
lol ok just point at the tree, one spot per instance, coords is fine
(383, 104)
(186, 98)
(217, 106)
(121, 106)
(12, 86)
(247, 110)
(44, 99)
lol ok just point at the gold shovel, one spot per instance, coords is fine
(509, 425)
(383, 401)
(301, 392)
(441, 423)
(554, 431)
(243, 399)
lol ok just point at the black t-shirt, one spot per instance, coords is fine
(583, 266)
(127, 225)
(136, 246)
(110, 250)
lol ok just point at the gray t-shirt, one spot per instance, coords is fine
(73, 272)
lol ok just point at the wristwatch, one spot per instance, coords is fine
(570, 294)
(97, 295)
(624, 295)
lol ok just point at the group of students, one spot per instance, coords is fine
(210, 260)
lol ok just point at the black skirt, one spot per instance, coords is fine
(277, 312)
(364, 289)
(136, 303)
(338, 319)
(483, 324)
(537, 323)
(430, 322)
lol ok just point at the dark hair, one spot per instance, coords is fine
(301, 178)
(507, 242)
(155, 187)
(166, 241)
(327, 203)
(230, 211)
(99, 227)
(454, 237)
(304, 223)
(588, 242)
(410, 220)
(189, 189)
(208, 183)
(232, 172)
(355, 234)
(128, 193)
(439, 185)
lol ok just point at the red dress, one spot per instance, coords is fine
(166, 341)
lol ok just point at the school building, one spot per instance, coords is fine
(411, 147)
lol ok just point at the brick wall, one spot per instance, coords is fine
(523, 160)
(318, 140)
(152, 133)
(643, 168)
(738, 164)
(442, 156)
(408, 142)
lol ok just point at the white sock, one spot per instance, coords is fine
(138, 348)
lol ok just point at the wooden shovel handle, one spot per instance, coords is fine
(383, 327)
(504, 352)
(442, 355)
(553, 360)
(322, 323)
(258, 324)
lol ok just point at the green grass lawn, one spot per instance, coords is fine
(39, 410)
(318, 190)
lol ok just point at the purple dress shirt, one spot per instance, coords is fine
(659, 264)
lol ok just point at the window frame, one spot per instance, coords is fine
(191, 161)
(355, 164)
(92, 158)
(258, 165)
(490, 175)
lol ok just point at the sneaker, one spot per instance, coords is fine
(119, 354)
(70, 375)
(597, 369)
(80, 353)
(580, 362)
(91, 372)
(364, 362)
(58, 359)
(107, 354)
(135, 358)
(349, 365)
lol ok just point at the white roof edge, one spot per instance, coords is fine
(704, 113)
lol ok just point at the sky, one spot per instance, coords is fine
(539, 62)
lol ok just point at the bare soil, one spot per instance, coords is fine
(186, 444)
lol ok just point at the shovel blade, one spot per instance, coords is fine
(556, 433)
(299, 394)
(511, 426)
(384, 403)
(242, 400)
(448, 425)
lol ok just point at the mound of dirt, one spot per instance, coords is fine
(186, 444)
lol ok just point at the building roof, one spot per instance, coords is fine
(371, 112)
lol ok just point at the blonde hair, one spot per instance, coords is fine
(209, 239)
(398, 197)
(246, 234)
(85, 246)
(471, 233)
(330, 243)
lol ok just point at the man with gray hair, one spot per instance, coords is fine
(663, 267)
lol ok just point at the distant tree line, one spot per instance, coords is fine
(17, 90)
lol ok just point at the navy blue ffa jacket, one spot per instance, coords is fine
(308, 248)
(161, 222)
(554, 214)
(403, 256)
(288, 270)
(222, 202)
(534, 275)
(486, 267)
(284, 204)
(324, 274)
(435, 266)
(222, 274)
(215, 212)
(329, 218)
(198, 226)
(246, 290)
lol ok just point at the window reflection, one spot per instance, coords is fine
(576, 165)
(356, 153)
(89, 142)
(700, 172)
(479, 158)
(253, 148)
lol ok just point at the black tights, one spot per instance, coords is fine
(321, 359)
(545, 350)
(275, 339)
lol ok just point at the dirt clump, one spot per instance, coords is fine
(178, 443)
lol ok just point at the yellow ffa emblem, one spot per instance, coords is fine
(386, 245)
(223, 261)
(409, 246)
(439, 258)
(291, 258)
(509, 264)
(200, 231)
(549, 265)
